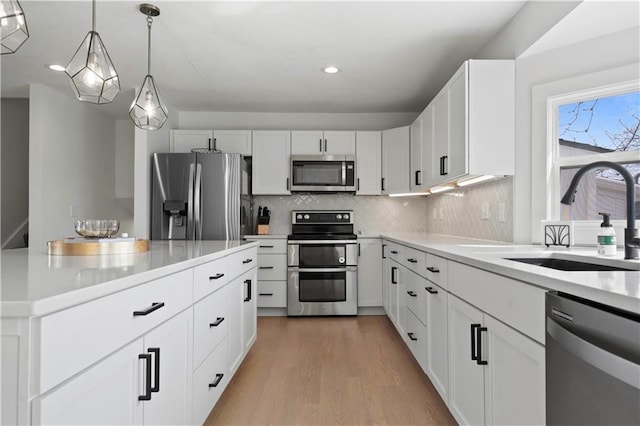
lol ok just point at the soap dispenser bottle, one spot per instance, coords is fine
(606, 237)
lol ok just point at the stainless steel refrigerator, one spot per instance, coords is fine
(203, 196)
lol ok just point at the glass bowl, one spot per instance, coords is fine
(97, 228)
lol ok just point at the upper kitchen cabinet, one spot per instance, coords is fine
(421, 148)
(271, 150)
(233, 141)
(474, 122)
(368, 163)
(317, 142)
(395, 160)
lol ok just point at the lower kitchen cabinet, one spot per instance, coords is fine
(496, 374)
(209, 381)
(369, 272)
(271, 289)
(415, 337)
(437, 348)
(249, 310)
(242, 317)
(112, 391)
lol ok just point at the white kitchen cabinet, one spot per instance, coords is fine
(249, 310)
(437, 348)
(368, 163)
(369, 272)
(395, 160)
(392, 270)
(272, 272)
(496, 374)
(231, 141)
(415, 337)
(242, 317)
(386, 279)
(271, 163)
(421, 150)
(474, 122)
(109, 392)
(209, 381)
(318, 142)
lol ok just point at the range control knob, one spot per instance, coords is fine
(299, 216)
(338, 216)
(345, 216)
(306, 217)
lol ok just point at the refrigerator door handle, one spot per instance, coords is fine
(197, 202)
(190, 222)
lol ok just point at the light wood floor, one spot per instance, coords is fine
(331, 370)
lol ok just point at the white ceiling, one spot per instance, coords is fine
(267, 56)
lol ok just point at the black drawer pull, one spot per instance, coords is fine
(217, 381)
(217, 323)
(247, 261)
(154, 307)
(265, 267)
(147, 379)
(394, 252)
(248, 283)
(412, 260)
(433, 269)
(265, 246)
(431, 290)
(265, 294)
(412, 337)
(216, 276)
(412, 294)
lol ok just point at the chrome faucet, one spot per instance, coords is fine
(631, 239)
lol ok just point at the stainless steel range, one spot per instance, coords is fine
(322, 264)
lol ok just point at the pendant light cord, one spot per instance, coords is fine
(149, 22)
(93, 18)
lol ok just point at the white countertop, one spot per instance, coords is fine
(35, 283)
(620, 289)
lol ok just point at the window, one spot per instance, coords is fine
(596, 125)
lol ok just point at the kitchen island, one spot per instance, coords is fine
(149, 337)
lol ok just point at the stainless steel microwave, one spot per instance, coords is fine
(323, 173)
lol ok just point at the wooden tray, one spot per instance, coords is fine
(62, 248)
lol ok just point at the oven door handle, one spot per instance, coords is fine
(324, 242)
(346, 269)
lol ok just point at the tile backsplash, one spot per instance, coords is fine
(460, 209)
(459, 212)
(373, 214)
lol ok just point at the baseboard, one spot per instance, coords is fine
(282, 312)
(371, 310)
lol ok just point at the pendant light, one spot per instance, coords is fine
(91, 73)
(148, 111)
(13, 27)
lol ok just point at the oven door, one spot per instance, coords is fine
(322, 291)
(322, 253)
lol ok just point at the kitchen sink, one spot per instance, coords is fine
(570, 265)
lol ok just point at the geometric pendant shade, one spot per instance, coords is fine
(13, 27)
(91, 74)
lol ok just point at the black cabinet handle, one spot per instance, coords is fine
(265, 267)
(147, 378)
(154, 307)
(430, 290)
(443, 165)
(247, 261)
(248, 283)
(358, 184)
(217, 380)
(215, 144)
(382, 184)
(217, 322)
(209, 144)
(412, 294)
(265, 246)
(288, 184)
(412, 260)
(156, 370)
(394, 252)
(433, 269)
(418, 177)
(359, 250)
(216, 276)
(384, 246)
(320, 146)
(480, 361)
(325, 145)
(265, 294)
(412, 337)
(393, 275)
(474, 346)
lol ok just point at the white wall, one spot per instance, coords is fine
(579, 66)
(14, 152)
(212, 120)
(71, 165)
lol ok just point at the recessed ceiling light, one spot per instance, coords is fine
(56, 67)
(331, 69)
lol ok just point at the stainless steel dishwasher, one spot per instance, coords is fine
(592, 363)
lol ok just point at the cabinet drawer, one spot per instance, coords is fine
(240, 262)
(213, 371)
(272, 267)
(416, 338)
(513, 302)
(272, 294)
(270, 246)
(73, 339)
(209, 277)
(414, 260)
(436, 270)
(393, 251)
(210, 323)
(415, 295)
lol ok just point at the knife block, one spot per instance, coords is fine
(263, 229)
